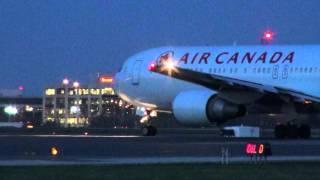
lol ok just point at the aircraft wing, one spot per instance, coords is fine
(218, 83)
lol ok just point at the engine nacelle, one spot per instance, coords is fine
(204, 107)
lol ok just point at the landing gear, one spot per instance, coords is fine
(304, 131)
(292, 131)
(280, 131)
(149, 130)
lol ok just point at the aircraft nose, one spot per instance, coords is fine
(116, 83)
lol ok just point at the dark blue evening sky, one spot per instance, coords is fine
(42, 41)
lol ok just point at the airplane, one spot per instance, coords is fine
(215, 84)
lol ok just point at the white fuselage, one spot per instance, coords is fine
(291, 67)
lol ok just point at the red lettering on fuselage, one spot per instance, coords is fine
(262, 57)
(249, 57)
(275, 57)
(194, 58)
(218, 60)
(204, 57)
(289, 58)
(234, 58)
(184, 58)
(238, 57)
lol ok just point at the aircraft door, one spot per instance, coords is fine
(136, 72)
(275, 72)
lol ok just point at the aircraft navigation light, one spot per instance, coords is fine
(169, 66)
(152, 67)
(268, 35)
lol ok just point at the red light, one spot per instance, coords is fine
(21, 88)
(251, 149)
(268, 35)
(261, 149)
(152, 67)
(258, 149)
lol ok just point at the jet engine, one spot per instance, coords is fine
(204, 107)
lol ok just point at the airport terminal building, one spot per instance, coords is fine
(74, 105)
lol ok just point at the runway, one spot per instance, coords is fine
(117, 149)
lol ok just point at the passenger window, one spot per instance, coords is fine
(259, 70)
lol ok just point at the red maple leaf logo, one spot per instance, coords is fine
(165, 57)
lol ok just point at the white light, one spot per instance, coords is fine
(153, 114)
(65, 81)
(144, 119)
(76, 84)
(11, 110)
(29, 108)
(74, 109)
(169, 66)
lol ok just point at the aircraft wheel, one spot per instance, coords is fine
(149, 130)
(280, 131)
(304, 131)
(153, 130)
(292, 131)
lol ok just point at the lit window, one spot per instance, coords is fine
(50, 92)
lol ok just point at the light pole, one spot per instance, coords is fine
(76, 86)
(65, 83)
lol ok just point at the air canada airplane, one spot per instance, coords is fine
(212, 85)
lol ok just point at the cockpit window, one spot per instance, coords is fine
(123, 68)
(120, 69)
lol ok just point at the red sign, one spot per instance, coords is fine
(105, 79)
(252, 149)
